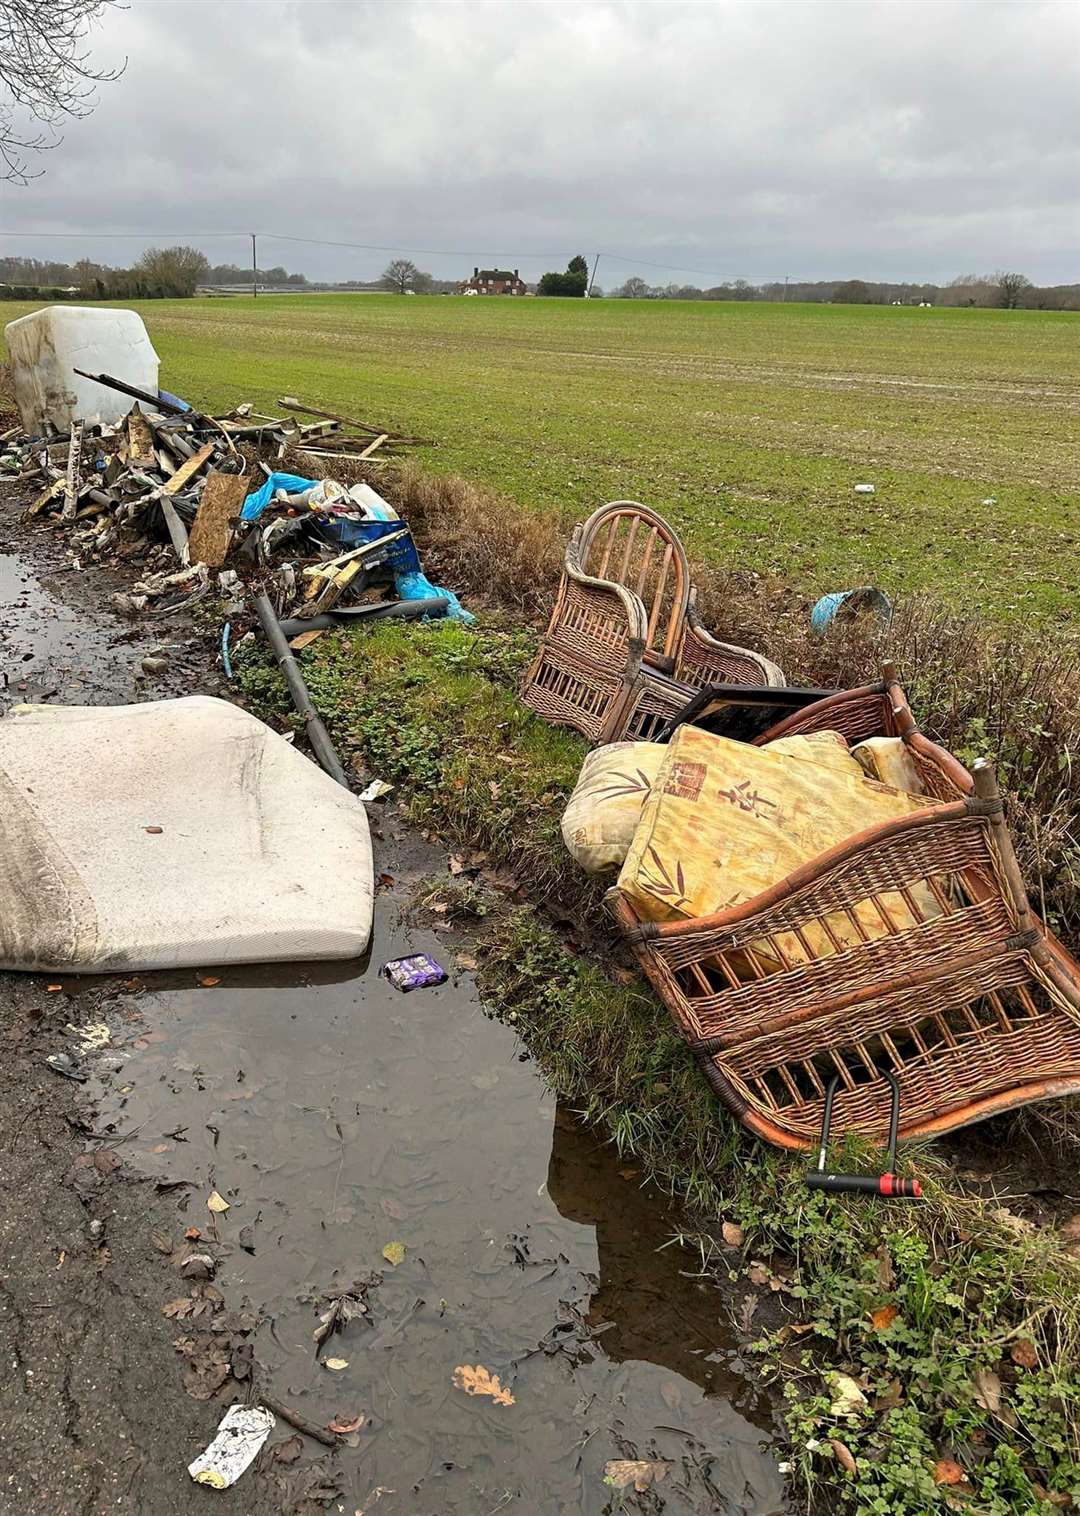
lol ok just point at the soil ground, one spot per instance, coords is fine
(91, 1405)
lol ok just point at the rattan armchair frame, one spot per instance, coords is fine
(625, 647)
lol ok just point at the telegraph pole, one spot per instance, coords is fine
(592, 281)
(786, 278)
(254, 270)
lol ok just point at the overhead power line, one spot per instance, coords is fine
(382, 247)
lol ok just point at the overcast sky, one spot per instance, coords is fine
(725, 138)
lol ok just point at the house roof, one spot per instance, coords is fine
(496, 273)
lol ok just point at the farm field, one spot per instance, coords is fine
(747, 424)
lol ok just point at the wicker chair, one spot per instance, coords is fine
(973, 1004)
(607, 666)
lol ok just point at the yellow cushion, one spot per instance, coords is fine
(725, 821)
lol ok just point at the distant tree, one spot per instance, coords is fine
(635, 288)
(574, 282)
(970, 289)
(741, 290)
(44, 74)
(401, 274)
(852, 292)
(173, 270)
(1010, 289)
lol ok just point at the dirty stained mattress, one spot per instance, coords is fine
(169, 834)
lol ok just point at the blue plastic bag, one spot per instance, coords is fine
(417, 586)
(257, 502)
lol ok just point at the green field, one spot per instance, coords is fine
(748, 424)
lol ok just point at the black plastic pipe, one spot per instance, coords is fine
(318, 736)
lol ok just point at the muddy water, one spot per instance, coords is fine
(337, 1115)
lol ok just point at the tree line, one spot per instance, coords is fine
(1004, 290)
(161, 272)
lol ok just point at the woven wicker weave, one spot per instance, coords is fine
(625, 648)
(976, 1009)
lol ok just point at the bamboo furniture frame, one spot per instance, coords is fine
(975, 1010)
(625, 648)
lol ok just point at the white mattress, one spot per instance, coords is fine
(260, 856)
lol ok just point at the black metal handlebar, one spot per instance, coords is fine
(889, 1183)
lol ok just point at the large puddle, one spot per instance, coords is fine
(336, 1116)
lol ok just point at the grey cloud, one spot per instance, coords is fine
(737, 138)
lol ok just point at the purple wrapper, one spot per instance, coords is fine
(414, 973)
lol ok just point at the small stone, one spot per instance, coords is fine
(154, 665)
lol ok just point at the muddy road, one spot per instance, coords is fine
(337, 1118)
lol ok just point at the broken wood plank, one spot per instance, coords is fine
(186, 470)
(54, 489)
(222, 499)
(140, 440)
(374, 446)
(73, 483)
(305, 639)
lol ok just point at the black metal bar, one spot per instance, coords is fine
(381, 610)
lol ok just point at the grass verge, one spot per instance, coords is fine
(930, 1353)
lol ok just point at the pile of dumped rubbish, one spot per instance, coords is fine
(135, 475)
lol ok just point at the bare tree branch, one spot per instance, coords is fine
(45, 76)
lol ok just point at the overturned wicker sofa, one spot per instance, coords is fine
(975, 1008)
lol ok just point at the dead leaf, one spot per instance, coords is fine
(337, 1364)
(987, 1390)
(948, 1472)
(1070, 1232)
(161, 1241)
(732, 1234)
(885, 1271)
(385, 881)
(106, 1161)
(466, 961)
(160, 1147)
(208, 981)
(343, 1423)
(621, 1473)
(889, 1399)
(883, 1318)
(394, 1253)
(847, 1399)
(393, 1208)
(745, 1314)
(51, 989)
(758, 1274)
(217, 1203)
(478, 1381)
(844, 1456)
(155, 831)
(1025, 1353)
(192, 1234)
(457, 864)
(289, 1450)
(177, 1308)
